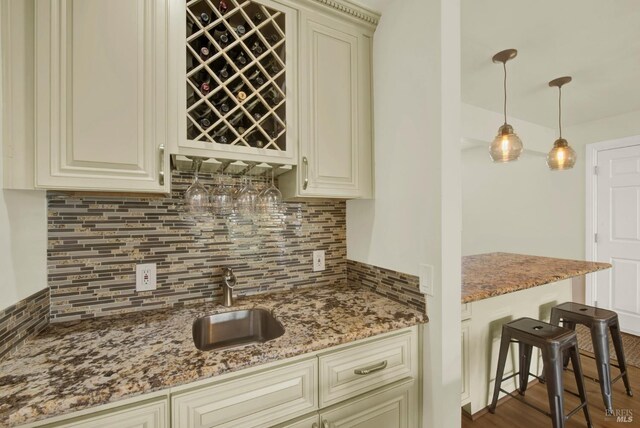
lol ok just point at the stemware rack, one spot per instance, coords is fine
(228, 167)
(236, 74)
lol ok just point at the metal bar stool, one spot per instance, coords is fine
(552, 341)
(600, 322)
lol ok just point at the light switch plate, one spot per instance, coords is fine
(318, 260)
(146, 277)
(426, 279)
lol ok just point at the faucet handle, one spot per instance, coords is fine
(229, 277)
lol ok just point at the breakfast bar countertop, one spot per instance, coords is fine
(77, 365)
(495, 274)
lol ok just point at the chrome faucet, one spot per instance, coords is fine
(228, 282)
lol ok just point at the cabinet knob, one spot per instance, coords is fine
(305, 161)
(325, 424)
(161, 169)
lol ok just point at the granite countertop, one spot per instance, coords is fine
(494, 274)
(72, 366)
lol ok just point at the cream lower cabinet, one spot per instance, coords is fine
(101, 95)
(334, 151)
(371, 383)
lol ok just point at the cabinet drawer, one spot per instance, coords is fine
(258, 400)
(148, 415)
(365, 367)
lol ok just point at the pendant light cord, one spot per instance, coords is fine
(504, 67)
(560, 110)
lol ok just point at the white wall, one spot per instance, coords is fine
(415, 216)
(23, 213)
(522, 206)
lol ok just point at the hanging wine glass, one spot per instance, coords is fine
(247, 200)
(271, 198)
(222, 198)
(196, 197)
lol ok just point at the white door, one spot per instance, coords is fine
(618, 229)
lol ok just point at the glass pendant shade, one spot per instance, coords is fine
(507, 146)
(562, 156)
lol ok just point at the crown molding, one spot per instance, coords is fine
(352, 9)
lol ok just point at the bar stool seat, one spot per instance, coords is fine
(600, 322)
(553, 341)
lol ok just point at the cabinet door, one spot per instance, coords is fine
(335, 105)
(394, 407)
(100, 95)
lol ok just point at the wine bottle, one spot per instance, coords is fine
(273, 67)
(240, 29)
(272, 96)
(256, 78)
(240, 59)
(258, 17)
(255, 139)
(204, 19)
(204, 82)
(272, 38)
(222, 8)
(222, 38)
(204, 52)
(256, 48)
(223, 74)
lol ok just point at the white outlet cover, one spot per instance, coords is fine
(426, 279)
(146, 277)
(318, 260)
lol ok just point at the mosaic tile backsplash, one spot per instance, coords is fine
(401, 287)
(24, 319)
(95, 241)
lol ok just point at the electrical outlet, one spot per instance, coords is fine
(426, 279)
(318, 260)
(146, 277)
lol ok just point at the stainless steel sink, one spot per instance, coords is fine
(235, 328)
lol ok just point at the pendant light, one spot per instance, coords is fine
(562, 156)
(507, 146)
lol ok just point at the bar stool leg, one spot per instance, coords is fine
(600, 340)
(617, 344)
(552, 358)
(577, 371)
(525, 365)
(571, 326)
(505, 341)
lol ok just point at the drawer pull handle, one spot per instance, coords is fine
(371, 369)
(305, 161)
(325, 424)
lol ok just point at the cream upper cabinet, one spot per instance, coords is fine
(101, 95)
(335, 148)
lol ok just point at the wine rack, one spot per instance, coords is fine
(236, 74)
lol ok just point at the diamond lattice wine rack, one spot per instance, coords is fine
(236, 75)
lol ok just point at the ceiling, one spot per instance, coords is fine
(597, 42)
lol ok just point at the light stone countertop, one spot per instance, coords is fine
(495, 274)
(77, 365)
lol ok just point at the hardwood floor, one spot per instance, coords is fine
(512, 413)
